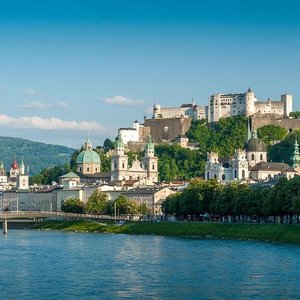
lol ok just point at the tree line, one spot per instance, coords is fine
(98, 203)
(237, 202)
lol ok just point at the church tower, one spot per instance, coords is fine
(240, 165)
(22, 178)
(150, 162)
(119, 161)
(296, 156)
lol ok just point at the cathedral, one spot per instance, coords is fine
(145, 171)
(249, 164)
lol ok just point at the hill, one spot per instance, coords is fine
(37, 155)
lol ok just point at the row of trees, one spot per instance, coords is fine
(98, 204)
(237, 202)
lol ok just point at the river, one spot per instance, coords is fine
(61, 265)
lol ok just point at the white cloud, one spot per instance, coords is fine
(35, 105)
(35, 122)
(63, 105)
(120, 100)
(30, 92)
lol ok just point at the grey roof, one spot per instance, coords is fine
(272, 166)
(256, 145)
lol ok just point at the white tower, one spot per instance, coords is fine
(150, 162)
(240, 165)
(250, 102)
(119, 162)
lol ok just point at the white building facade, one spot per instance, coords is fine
(228, 105)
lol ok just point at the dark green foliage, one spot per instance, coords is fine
(295, 114)
(271, 133)
(37, 155)
(236, 201)
(47, 176)
(283, 150)
(177, 162)
(108, 145)
(224, 136)
(73, 205)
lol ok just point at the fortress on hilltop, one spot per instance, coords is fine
(228, 105)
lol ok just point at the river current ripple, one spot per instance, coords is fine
(60, 265)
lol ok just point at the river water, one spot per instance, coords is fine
(59, 265)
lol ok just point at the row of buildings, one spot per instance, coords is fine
(171, 123)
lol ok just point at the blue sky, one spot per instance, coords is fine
(69, 68)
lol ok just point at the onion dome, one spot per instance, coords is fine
(149, 145)
(88, 156)
(14, 165)
(118, 142)
(255, 144)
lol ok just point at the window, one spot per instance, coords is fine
(235, 174)
(252, 156)
(123, 165)
(223, 177)
(87, 169)
(261, 157)
(207, 175)
(153, 167)
(243, 174)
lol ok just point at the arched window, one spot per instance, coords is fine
(243, 174)
(207, 175)
(115, 165)
(153, 167)
(223, 176)
(235, 174)
(252, 156)
(87, 169)
(215, 176)
(123, 165)
(261, 157)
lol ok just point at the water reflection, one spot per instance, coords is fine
(57, 265)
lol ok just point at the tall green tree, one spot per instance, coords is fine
(97, 202)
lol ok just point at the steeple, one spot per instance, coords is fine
(248, 130)
(296, 156)
(22, 167)
(88, 144)
(254, 134)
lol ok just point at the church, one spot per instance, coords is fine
(144, 171)
(249, 164)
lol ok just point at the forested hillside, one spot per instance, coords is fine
(37, 155)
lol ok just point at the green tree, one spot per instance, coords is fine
(271, 133)
(73, 205)
(108, 145)
(125, 206)
(97, 202)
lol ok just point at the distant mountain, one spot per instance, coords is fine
(37, 155)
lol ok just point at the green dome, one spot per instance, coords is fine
(150, 145)
(88, 157)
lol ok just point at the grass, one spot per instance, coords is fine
(260, 232)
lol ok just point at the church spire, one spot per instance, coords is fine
(296, 156)
(248, 130)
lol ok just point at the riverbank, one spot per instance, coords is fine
(259, 232)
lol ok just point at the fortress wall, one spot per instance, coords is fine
(175, 127)
(289, 124)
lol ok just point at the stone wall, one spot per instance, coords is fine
(167, 129)
(262, 120)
